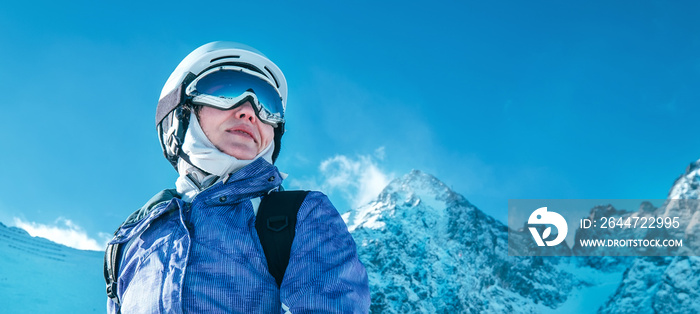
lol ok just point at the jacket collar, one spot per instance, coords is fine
(256, 179)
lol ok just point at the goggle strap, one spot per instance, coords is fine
(168, 103)
(173, 99)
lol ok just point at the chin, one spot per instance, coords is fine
(241, 155)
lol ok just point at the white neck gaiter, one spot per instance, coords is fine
(205, 156)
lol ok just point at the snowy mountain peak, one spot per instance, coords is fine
(15, 230)
(646, 207)
(418, 186)
(687, 186)
(416, 190)
(605, 211)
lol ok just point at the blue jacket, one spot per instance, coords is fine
(206, 257)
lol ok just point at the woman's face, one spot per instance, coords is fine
(237, 132)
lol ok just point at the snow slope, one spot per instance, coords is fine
(40, 276)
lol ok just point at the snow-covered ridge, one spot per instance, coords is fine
(18, 239)
(687, 186)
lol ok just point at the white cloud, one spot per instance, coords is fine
(65, 232)
(357, 180)
(380, 153)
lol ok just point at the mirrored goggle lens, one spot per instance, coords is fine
(231, 84)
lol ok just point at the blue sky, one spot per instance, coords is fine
(498, 99)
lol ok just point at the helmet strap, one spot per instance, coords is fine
(172, 140)
(279, 131)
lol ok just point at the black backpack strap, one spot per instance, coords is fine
(275, 224)
(113, 252)
(111, 271)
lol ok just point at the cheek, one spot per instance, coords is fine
(208, 119)
(267, 133)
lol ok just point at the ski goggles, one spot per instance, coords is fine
(227, 87)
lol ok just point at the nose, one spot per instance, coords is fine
(246, 112)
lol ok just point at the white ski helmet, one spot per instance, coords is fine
(173, 112)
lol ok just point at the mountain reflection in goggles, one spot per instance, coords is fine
(228, 88)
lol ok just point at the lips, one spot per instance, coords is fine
(242, 130)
